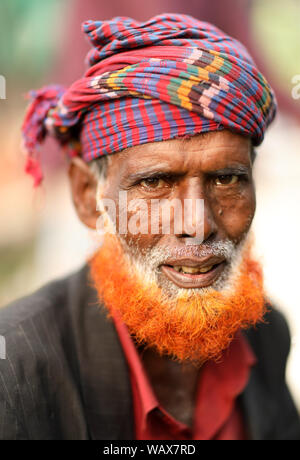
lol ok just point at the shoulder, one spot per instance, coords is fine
(273, 331)
(50, 302)
(38, 319)
(37, 364)
(271, 411)
(270, 341)
(30, 308)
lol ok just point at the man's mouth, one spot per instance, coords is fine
(190, 274)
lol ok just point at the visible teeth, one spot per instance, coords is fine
(206, 269)
(192, 270)
(178, 269)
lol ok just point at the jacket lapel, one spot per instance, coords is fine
(104, 376)
(259, 409)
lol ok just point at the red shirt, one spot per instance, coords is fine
(217, 415)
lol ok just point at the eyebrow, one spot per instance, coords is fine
(155, 172)
(152, 172)
(234, 169)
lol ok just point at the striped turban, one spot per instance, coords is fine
(170, 76)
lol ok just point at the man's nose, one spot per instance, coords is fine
(197, 217)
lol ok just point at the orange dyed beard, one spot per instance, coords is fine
(192, 327)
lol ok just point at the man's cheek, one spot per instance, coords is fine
(236, 218)
(137, 226)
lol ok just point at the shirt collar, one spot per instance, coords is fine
(219, 385)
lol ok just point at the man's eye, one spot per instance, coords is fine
(228, 179)
(153, 183)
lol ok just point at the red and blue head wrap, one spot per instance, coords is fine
(170, 76)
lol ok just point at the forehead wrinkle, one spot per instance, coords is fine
(217, 156)
(187, 153)
(151, 160)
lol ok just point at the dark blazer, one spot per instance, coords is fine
(65, 375)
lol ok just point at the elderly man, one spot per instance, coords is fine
(166, 332)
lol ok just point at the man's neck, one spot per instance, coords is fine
(174, 384)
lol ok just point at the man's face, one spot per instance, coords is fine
(216, 168)
(185, 300)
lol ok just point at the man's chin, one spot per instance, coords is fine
(191, 324)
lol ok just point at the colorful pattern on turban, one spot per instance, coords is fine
(170, 76)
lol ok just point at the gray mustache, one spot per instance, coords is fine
(224, 249)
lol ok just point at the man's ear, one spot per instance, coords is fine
(84, 187)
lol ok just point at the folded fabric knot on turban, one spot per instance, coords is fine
(170, 76)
